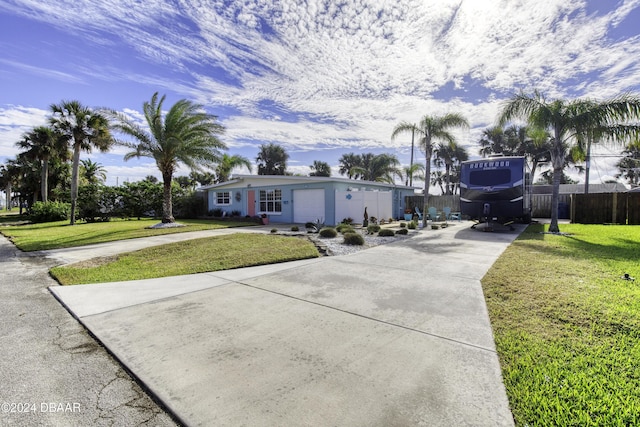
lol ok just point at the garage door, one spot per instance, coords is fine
(308, 205)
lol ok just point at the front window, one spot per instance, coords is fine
(490, 177)
(271, 201)
(223, 198)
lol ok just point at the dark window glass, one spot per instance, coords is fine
(490, 178)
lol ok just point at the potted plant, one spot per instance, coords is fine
(408, 214)
(264, 219)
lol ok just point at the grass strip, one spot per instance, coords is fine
(189, 257)
(567, 325)
(56, 235)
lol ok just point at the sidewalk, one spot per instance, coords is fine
(394, 335)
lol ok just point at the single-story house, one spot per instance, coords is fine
(301, 199)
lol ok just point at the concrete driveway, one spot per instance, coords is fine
(396, 335)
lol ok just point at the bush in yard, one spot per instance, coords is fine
(50, 211)
(353, 239)
(373, 228)
(295, 228)
(385, 232)
(345, 228)
(412, 225)
(402, 231)
(328, 232)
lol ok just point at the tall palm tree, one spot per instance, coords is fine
(349, 164)
(186, 134)
(405, 127)
(449, 155)
(432, 129)
(85, 129)
(411, 171)
(41, 144)
(228, 163)
(320, 168)
(272, 160)
(568, 122)
(493, 141)
(93, 172)
(378, 167)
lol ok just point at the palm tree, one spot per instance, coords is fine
(629, 165)
(184, 135)
(432, 129)
(404, 127)
(493, 141)
(449, 155)
(349, 164)
(569, 122)
(414, 170)
(41, 144)
(84, 129)
(228, 163)
(272, 160)
(93, 172)
(320, 168)
(380, 167)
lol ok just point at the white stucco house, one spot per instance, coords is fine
(301, 199)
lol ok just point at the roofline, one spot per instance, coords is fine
(355, 182)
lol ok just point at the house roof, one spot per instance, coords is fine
(257, 180)
(579, 188)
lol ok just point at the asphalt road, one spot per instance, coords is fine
(52, 372)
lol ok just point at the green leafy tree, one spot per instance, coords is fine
(569, 122)
(378, 167)
(185, 135)
(41, 144)
(629, 165)
(411, 171)
(432, 129)
(405, 127)
(85, 129)
(92, 172)
(228, 163)
(349, 165)
(272, 160)
(449, 155)
(320, 168)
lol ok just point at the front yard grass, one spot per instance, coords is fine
(189, 257)
(567, 325)
(56, 235)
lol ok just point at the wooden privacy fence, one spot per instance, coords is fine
(606, 208)
(438, 202)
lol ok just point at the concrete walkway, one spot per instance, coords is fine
(396, 335)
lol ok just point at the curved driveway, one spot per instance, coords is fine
(396, 335)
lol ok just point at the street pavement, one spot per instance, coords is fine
(52, 371)
(395, 335)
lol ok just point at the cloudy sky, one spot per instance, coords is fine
(320, 77)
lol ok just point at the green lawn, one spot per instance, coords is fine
(188, 257)
(567, 326)
(55, 235)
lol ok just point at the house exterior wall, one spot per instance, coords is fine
(238, 190)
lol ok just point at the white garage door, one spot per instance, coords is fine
(308, 205)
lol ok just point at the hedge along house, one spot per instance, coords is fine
(301, 199)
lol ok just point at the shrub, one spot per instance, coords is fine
(236, 213)
(345, 228)
(274, 230)
(216, 213)
(353, 239)
(373, 228)
(412, 225)
(50, 211)
(403, 224)
(328, 232)
(402, 231)
(295, 228)
(347, 220)
(386, 232)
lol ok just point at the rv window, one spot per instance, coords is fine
(490, 178)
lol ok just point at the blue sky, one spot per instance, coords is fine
(322, 78)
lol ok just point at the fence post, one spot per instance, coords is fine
(614, 214)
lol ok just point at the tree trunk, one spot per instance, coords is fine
(557, 160)
(413, 134)
(8, 195)
(167, 204)
(44, 181)
(74, 181)
(428, 151)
